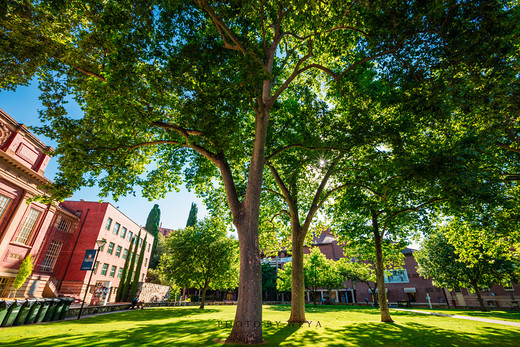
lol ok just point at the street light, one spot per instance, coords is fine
(100, 244)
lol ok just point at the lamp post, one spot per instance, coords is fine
(100, 244)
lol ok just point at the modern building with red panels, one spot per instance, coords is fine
(99, 221)
(26, 226)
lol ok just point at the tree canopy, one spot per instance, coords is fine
(163, 84)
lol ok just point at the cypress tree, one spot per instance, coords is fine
(128, 280)
(119, 292)
(192, 217)
(152, 226)
(138, 269)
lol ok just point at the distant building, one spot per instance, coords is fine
(165, 232)
(27, 227)
(100, 221)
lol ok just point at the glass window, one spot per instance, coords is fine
(120, 272)
(397, 276)
(113, 271)
(104, 270)
(129, 238)
(4, 203)
(123, 232)
(140, 242)
(5, 283)
(125, 252)
(28, 226)
(110, 249)
(51, 256)
(116, 228)
(109, 223)
(118, 251)
(96, 267)
(148, 247)
(145, 261)
(64, 225)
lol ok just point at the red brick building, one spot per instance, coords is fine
(27, 227)
(99, 221)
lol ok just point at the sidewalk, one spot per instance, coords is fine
(486, 320)
(94, 314)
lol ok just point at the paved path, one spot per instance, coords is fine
(496, 321)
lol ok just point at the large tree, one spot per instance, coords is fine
(178, 82)
(201, 256)
(467, 255)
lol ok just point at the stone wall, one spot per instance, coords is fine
(150, 292)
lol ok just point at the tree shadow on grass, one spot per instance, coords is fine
(145, 315)
(329, 308)
(414, 334)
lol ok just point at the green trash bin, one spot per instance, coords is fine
(24, 312)
(5, 305)
(53, 303)
(33, 312)
(46, 303)
(59, 308)
(12, 313)
(66, 306)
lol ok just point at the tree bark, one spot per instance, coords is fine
(380, 274)
(203, 298)
(297, 279)
(479, 298)
(247, 326)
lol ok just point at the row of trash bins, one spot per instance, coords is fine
(28, 311)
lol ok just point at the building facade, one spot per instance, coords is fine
(100, 221)
(26, 226)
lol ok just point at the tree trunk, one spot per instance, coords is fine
(203, 298)
(247, 326)
(479, 297)
(380, 275)
(297, 279)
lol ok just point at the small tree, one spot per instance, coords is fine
(201, 256)
(460, 255)
(122, 280)
(128, 280)
(152, 226)
(26, 268)
(192, 217)
(135, 283)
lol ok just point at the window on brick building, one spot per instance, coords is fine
(64, 225)
(4, 204)
(145, 261)
(397, 276)
(148, 247)
(109, 223)
(104, 270)
(140, 242)
(110, 249)
(142, 277)
(120, 273)
(118, 251)
(129, 238)
(116, 228)
(28, 226)
(95, 267)
(51, 256)
(123, 232)
(125, 253)
(113, 271)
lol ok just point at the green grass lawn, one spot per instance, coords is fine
(500, 315)
(331, 326)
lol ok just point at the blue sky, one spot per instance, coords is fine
(23, 106)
